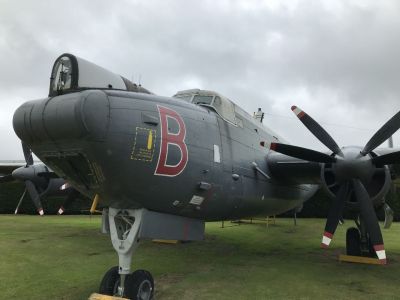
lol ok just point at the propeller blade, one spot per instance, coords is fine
(334, 214)
(389, 214)
(19, 202)
(302, 153)
(27, 154)
(34, 196)
(387, 159)
(6, 178)
(382, 134)
(317, 130)
(371, 221)
(71, 197)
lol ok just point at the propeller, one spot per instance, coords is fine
(384, 133)
(317, 130)
(353, 168)
(386, 159)
(27, 174)
(389, 213)
(33, 193)
(334, 214)
(368, 213)
(19, 202)
(302, 153)
(27, 154)
(29, 185)
(72, 195)
(38, 180)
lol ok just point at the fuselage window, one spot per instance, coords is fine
(225, 109)
(198, 99)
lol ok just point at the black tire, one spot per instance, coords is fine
(139, 285)
(109, 283)
(353, 246)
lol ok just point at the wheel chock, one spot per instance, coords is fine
(96, 296)
(360, 260)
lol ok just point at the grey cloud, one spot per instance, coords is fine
(340, 62)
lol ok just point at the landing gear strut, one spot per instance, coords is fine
(124, 227)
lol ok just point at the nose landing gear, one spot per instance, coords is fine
(359, 247)
(124, 227)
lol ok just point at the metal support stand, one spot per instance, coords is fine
(124, 232)
(364, 242)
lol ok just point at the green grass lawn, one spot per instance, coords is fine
(65, 257)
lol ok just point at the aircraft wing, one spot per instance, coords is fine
(394, 168)
(291, 170)
(7, 166)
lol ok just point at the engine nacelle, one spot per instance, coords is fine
(377, 186)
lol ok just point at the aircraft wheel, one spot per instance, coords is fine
(139, 285)
(109, 283)
(353, 245)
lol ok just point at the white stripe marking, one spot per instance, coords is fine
(381, 254)
(297, 111)
(326, 240)
(217, 154)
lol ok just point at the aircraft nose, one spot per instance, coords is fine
(66, 117)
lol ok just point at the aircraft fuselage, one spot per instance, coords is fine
(167, 155)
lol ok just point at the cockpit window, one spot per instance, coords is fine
(198, 99)
(186, 97)
(222, 105)
(62, 74)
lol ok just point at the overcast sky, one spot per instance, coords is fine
(337, 60)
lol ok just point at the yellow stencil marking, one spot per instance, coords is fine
(144, 144)
(150, 140)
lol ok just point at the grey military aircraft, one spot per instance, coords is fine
(39, 180)
(162, 166)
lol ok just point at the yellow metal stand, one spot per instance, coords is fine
(267, 221)
(166, 241)
(96, 296)
(94, 204)
(272, 220)
(360, 259)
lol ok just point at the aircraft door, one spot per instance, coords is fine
(231, 169)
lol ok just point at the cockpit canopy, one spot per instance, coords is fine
(71, 73)
(222, 105)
